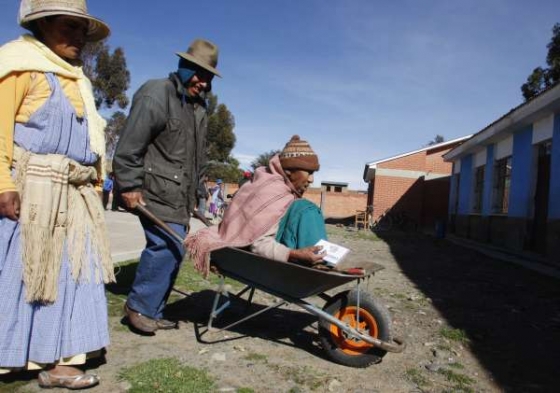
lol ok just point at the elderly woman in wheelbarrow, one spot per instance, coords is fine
(269, 215)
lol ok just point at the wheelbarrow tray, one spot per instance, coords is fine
(283, 279)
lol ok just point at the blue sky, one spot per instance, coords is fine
(361, 80)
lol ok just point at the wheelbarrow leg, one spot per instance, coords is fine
(215, 310)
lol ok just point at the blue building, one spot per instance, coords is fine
(505, 186)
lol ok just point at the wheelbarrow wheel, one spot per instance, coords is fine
(373, 319)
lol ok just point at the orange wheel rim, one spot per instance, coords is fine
(366, 325)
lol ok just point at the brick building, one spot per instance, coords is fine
(414, 183)
(338, 202)
(505, 188)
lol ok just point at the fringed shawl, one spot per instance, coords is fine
(59, 207)
(256, 207)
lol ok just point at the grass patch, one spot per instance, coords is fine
(456, 365)
(461, 382)
(188, 280)
(118, 291)
(416, 377)
(400, 296)
(8, 385)
(444, 347)
(302, 376)
(245, 390)
(458, 335)
(166, 376)
(256, 357)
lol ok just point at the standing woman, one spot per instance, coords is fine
(54, 253)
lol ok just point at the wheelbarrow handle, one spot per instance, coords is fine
(148, 214)
(201, 217)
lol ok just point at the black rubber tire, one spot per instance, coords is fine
(355, 353)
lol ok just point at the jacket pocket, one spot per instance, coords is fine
(165, 184)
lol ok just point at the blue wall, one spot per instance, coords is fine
(465, 185)
(521, 170)
(554, 196)
(488, 181)
(452, 192)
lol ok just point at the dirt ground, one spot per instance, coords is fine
(472, 324)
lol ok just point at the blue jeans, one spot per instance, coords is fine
(157, 269)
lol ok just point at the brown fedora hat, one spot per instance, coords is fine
(202, 53)
(30, 10)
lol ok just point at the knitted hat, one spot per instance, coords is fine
(297, 154)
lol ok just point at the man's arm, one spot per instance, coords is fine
(146, 119)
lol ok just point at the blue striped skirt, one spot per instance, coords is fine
(76, 323)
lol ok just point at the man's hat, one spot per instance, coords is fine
(297, 154)
(30, 10)
(204, 54)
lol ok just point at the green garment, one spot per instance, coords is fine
(302, 226)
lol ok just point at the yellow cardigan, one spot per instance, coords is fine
(22, 62)
(21, 94)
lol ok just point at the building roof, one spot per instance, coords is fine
(369, 169)
(521, 116)
(333, 183)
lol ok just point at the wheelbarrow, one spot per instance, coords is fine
(354, 327)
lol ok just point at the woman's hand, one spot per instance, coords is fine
(9, 205)
(309, 255)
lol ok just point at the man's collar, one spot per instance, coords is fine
(182, 90)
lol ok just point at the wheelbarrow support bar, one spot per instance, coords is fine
(398, 345)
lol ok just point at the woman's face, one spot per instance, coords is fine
(64, 35)
(300, 179)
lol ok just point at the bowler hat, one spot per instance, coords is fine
(204, 54)
(30, 10)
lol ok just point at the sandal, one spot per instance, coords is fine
(82, 381)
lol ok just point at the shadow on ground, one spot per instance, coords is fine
(510, 314)
(280, 325)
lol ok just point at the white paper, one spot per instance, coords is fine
(334, 252)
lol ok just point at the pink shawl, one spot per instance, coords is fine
(256, 207)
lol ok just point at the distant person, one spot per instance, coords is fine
(158, 160)
(54, 250)
(216, 197)
(202, 194)
(107, 189)
(245, 178)
(269, 215)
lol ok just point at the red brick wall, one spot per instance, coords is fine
(412, 162)
(424, 201)
(392, 191)
(435, 163)
(337, 205)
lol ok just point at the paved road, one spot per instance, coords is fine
(126, 235)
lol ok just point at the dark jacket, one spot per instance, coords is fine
(162, 148)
